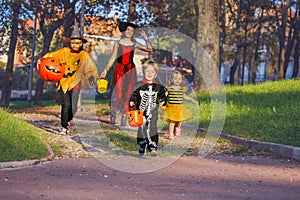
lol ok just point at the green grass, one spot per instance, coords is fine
(19, 140)
(122, 140)
(18, 104)
(268, 112)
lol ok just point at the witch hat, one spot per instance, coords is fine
(76, 34)
(123, 26)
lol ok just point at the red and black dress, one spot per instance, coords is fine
(124, 79)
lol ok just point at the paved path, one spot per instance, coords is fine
(215, 178)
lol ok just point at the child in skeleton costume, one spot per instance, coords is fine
(148, 97)
(80, 70)
(176, 112)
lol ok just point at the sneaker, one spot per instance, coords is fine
(153, 151)
(63, 131)
(142, 150)
(69, 126)
(171, 137)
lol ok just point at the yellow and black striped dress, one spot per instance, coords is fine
(176, 110)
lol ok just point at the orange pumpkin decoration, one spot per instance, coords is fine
(51, 69)
(135, 118)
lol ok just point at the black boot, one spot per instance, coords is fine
(113, 117)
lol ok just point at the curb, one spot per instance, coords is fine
(24, 163)
(281, 150)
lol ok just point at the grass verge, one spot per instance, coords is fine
(19, 140)
(267, 112)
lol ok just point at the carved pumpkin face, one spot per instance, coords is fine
(73, 68)
(51, 69)
(135, 118)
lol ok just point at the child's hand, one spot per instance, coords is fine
(131, 104)
(38, 63)
(91, 80)
(194, 101)
(162, 103)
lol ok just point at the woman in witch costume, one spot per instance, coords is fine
(80, 70)
(124, 75)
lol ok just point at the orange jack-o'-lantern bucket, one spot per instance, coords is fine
(135, 118)
(102, 84)
(51, 69)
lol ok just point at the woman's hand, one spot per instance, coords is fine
(148, 45)
(144, 35)
(103, 74)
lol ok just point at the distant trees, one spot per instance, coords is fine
(51, 16)
(263, 30)
(250, 31)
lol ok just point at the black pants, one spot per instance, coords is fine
(69, 101)
(143, 137)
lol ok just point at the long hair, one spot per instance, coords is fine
(133, 35)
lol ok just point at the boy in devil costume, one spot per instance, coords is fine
(148, 97)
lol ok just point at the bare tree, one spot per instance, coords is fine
(297, 41)
(8, 78)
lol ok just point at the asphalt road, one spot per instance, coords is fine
(214, 178)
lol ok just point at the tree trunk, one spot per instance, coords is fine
(282, 37)
(297, 42)
(257, 46)
(289, 47)
(235, 65)
(8, 78)
(250, 65)
(244, 65)
(208, 37)
(296, 55)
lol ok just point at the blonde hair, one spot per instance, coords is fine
(149, 62)
(175, 74)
